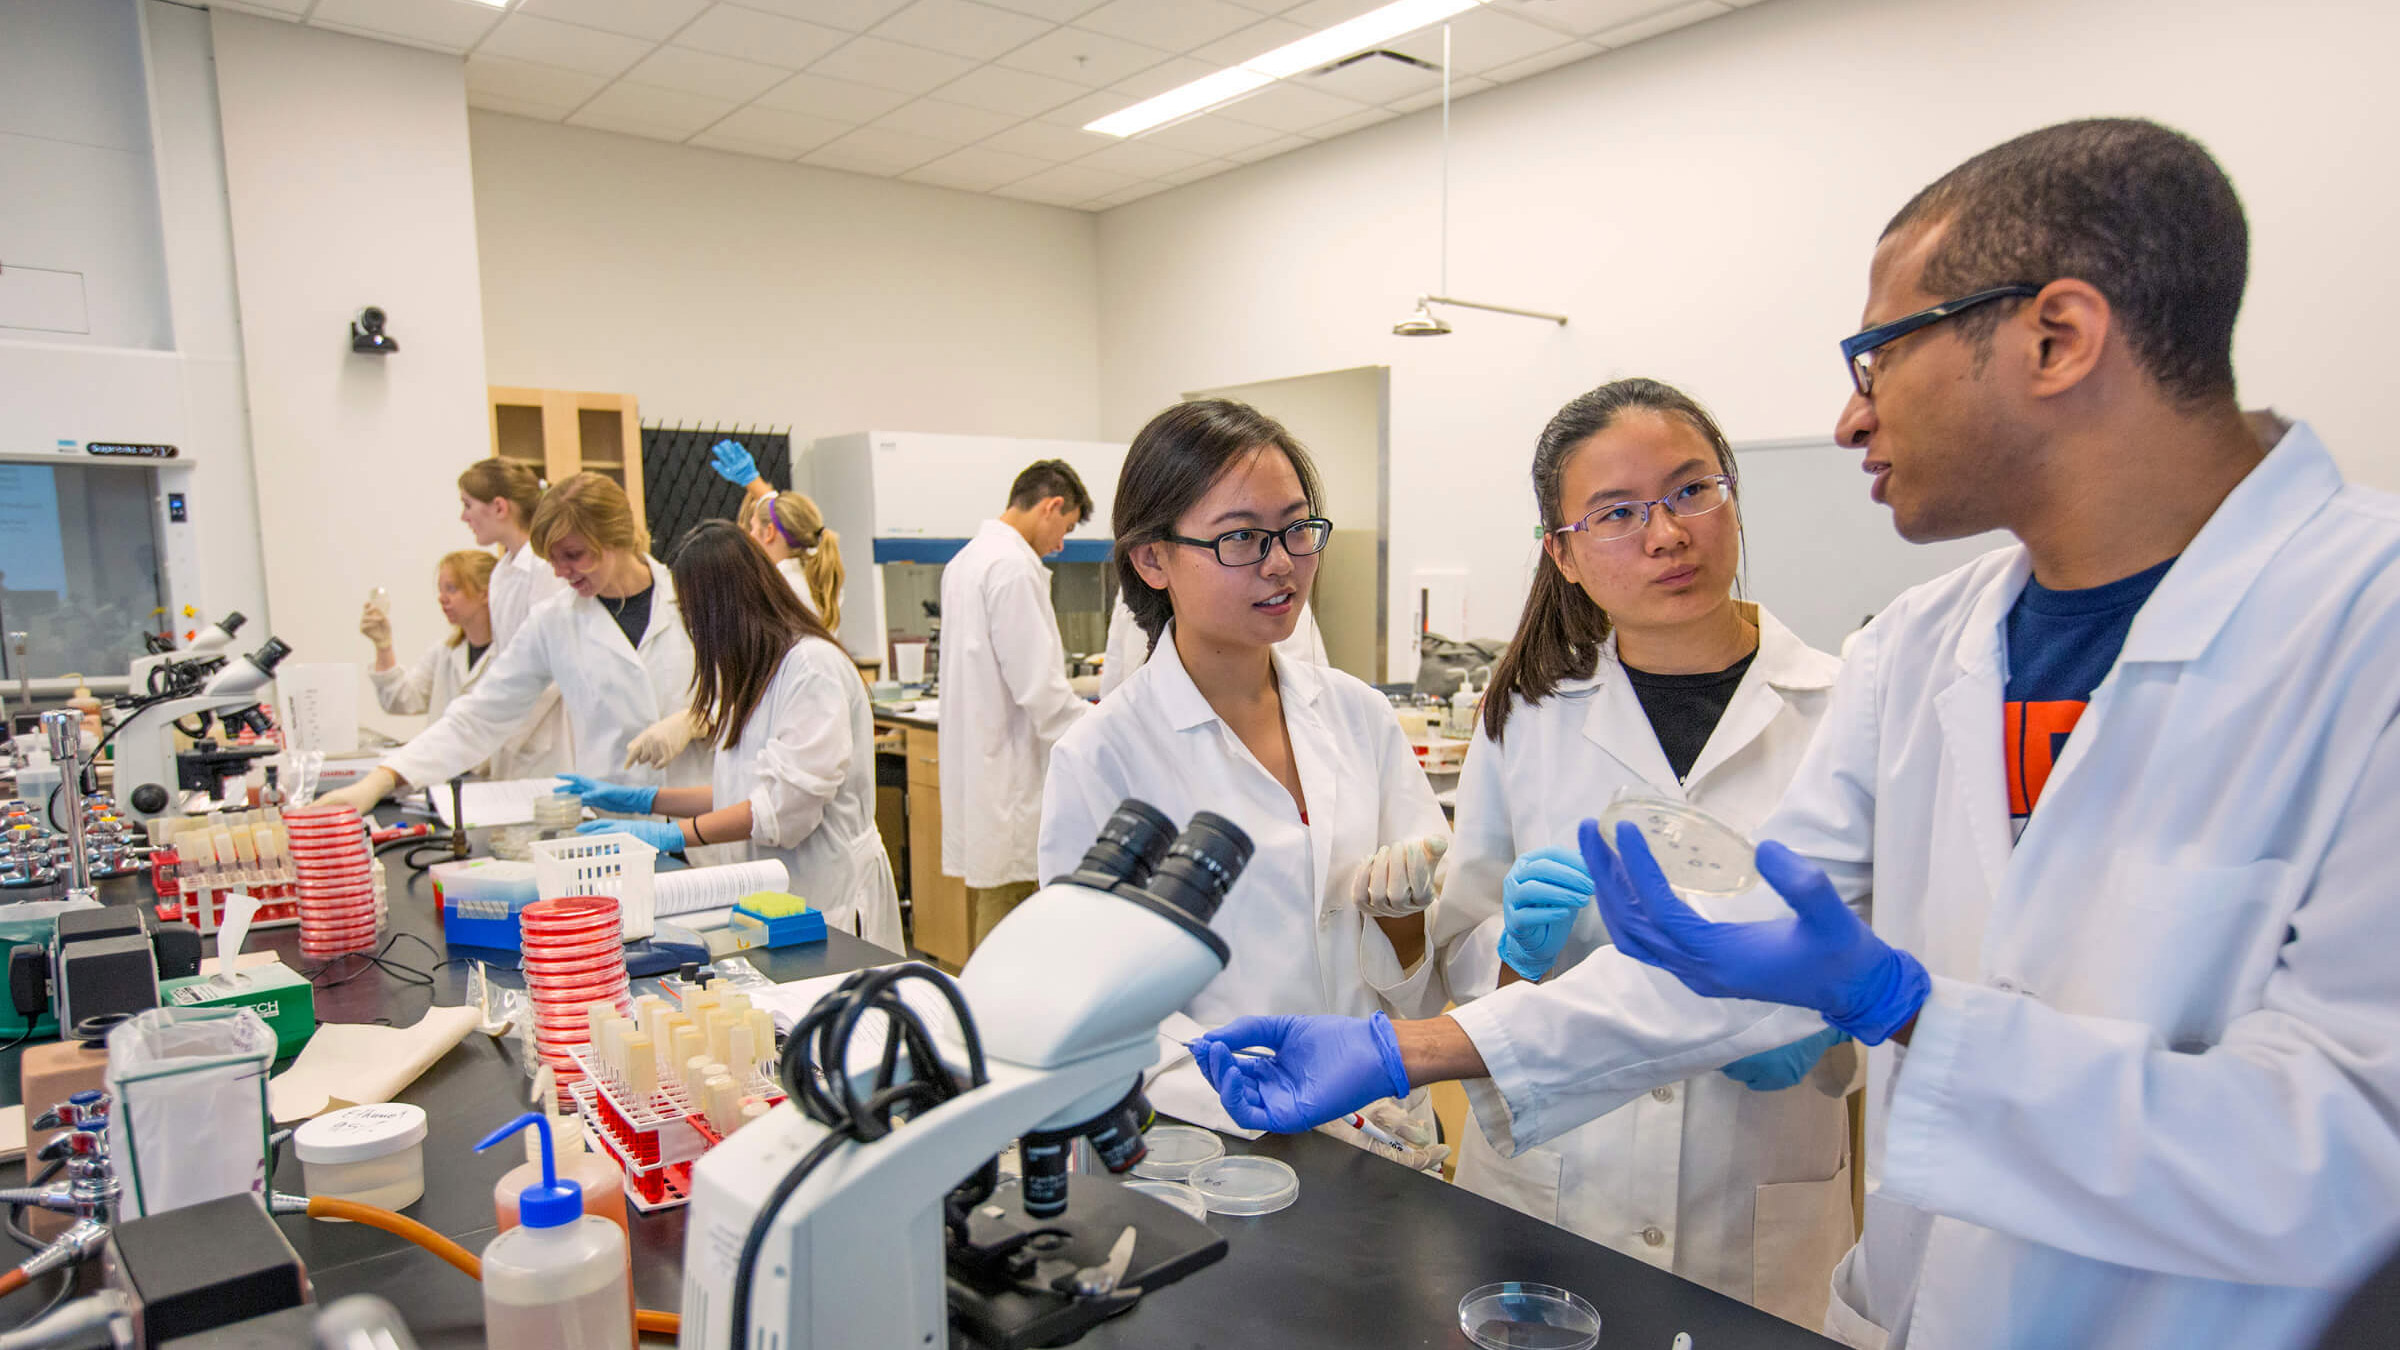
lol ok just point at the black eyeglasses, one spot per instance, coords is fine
(1858, 351)
(1248, 548)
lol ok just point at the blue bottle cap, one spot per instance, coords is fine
(550, 1202)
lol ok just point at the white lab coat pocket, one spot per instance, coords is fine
(2182, 948)
(1845, 1318)
(1799, 1233)
(1527, 1183)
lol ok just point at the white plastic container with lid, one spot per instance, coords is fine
(374, 1155)
(561, 1279)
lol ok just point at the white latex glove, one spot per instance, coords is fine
(375, 625)
(362, 795)
(661, 741)
(1391, 1132)
(1399, 880)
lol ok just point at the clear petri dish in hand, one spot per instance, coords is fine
(1516, 1315)
(1699, 854)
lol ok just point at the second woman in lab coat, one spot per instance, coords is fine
(614, 646)
(782, 705)
(1634, 666)
(1217, 534)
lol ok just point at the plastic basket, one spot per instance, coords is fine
(615, 865)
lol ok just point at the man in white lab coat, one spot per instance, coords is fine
(2121, 800)
(1004, 694)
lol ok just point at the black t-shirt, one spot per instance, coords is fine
(632, 613)
(1684, 709)
(475, 654)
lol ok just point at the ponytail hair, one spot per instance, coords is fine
(1561, 632)
(819, 549)
(492, 480)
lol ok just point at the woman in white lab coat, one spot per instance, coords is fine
(614, 646)
(462, 586)
(1217, 534)
(496, 501)
(782, 702)
(1634, 666)
(807, 554)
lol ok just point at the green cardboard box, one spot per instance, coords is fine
(274, 990)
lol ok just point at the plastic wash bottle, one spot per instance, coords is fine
(560, 1280)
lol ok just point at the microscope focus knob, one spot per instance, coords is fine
(149, 799)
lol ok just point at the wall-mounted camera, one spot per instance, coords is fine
(367, 335)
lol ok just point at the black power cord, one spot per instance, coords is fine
(817, 1053)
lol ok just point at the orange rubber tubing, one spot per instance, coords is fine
(400, 1225)
(13, 1281)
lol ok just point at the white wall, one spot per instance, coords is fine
(1704, 204)
(346, 161)
(75, 156)
(721, 288)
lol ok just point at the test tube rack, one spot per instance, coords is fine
(655, 1140)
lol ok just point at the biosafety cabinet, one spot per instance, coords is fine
(905, 503)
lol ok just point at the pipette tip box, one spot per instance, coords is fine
(773, 919)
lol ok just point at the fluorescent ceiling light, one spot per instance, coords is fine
(1371, 29)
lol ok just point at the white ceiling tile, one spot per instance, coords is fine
(1142, 159)
(1432, 98)
(652, 19)
(892, 65)
(1095, 60)
(1326, 13)
(1535, 65)
(1280, 145)
(1480, 40)
(771, 131)
(877, 151)
(268, 9)
(639, 110)
(529, 82)
(528, 37)
(1256, 40)
(1046, 142)
(1169, 25)
(1581, 17)
(1288, 107)
(1373, 79)
(1056, 11)
(955, 123)
(961, 28)
(999, 89)
(1213, 136)
(976, 169)
(705, 73)
(540, 112)
(1268, 6)
(448, 25)
(1642, 30)
(1067, 185)
(754, 35)
(851, 16)
(841, 100)
(1354, 122)
(1172, 73)
(1088, 109)
(1207, 168)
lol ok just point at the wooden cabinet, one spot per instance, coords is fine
(938, 902)
(562, 432)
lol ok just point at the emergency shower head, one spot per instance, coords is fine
(1423, 323)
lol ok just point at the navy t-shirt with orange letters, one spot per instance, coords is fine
(2061, 645)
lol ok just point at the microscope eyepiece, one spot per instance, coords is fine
(1202, 865)
(1130, 845)
(232, 622)
(270, 654)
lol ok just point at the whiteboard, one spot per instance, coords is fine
(1821, 554)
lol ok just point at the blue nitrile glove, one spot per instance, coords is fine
(602, 796)
(1323, 1068)
(1544, 891)
(733, 462)
(1820, 957)
(664, 835)
(1785, 1065)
